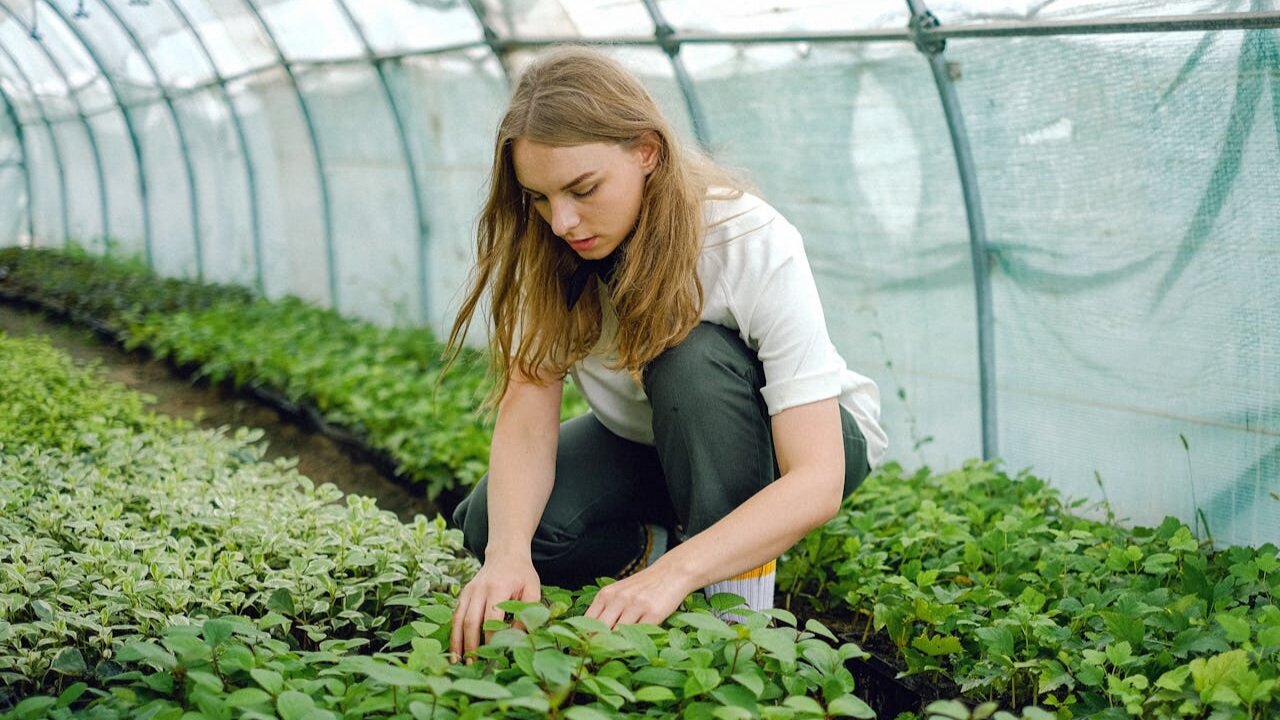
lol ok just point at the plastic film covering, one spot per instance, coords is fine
(848, 143)
(225, 212)
(294, 254)
(954, 12)
(451, 103)
(231, 33)
(395, 27)
(1134, 220)
(753, 16)
(67, 136)
(568, 18)
(15, 205)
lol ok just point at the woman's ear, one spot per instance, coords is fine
(649, 149)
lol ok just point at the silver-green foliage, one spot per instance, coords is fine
(116, 523)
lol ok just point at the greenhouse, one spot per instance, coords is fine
(241, 422)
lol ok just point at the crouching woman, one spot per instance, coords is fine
(724, 425)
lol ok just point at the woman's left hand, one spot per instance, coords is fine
(649, 596)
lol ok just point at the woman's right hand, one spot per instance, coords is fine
(499, 579)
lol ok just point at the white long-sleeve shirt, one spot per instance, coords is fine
(756, 280)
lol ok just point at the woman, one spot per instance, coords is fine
(723, 427)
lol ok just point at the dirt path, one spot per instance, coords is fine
(319, 458)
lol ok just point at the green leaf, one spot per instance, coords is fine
(282, 602)
(534, 617)
(294, 705)
(717, 628)
(1220, 671)
(383, 672)
(216, 632)
(33, 707)
(665, 677)
(582, 712)
(700, 680)
(70, 662)
(247, 696)
(71, 694)
(235, 657)
(953, 709)
(804, 704)
(1126, 628)
(937, 645)
(270, 680)
(587, 625)
(654, 694)
(1174, 679)
(818, 628)
(553, 667)
(850, 706)
(751, 681)
(484, 689)
(1238, 629)
(1120, 654)
(996, 640)
(724, 601)
(734, 695)
(777, 642)
(148, 652)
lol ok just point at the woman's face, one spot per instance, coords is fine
(588, 194)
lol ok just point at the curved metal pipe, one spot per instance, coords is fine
(325, 202)
(88, 129)
(12, 112)
(491, 38)
(665, 36)
(192, 196)
(922, 21)
(251, 179)
(134, 138)
(424, 231)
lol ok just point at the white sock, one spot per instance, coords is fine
(755, 586)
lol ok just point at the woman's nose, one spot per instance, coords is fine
(563, 217)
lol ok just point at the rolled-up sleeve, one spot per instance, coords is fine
(781, 317)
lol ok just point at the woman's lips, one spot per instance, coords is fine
(584, 244)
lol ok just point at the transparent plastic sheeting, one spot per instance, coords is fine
(1127, 182)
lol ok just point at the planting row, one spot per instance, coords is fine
(991, 582)
(154, 569)
(384, 385)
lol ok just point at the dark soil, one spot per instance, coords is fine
(319, 458)
(877, 680)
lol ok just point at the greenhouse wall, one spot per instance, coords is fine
(1127, 181)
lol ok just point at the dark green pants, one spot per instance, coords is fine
(713, 450)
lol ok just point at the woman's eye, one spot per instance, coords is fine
(586, 193)
(535, 199)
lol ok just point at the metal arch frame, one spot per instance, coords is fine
(177, 124)
(22, 163)
(980, 252)
(128, 121)
(325, 200)
(84, 121)
(53, 139)
(251, 180)
(491, 38)
(665, 36)
(424, 229)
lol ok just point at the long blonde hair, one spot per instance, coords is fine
(575, 96)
